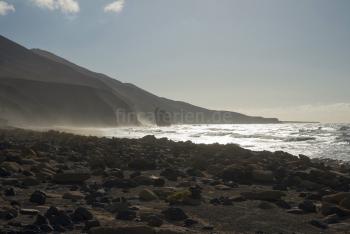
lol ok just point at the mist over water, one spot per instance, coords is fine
(313, 140)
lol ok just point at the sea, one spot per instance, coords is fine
(311, 139)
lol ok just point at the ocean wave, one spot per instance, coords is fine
(344, 128)
(314, 140)
(293, 139)
(257, 136)
(217, 133)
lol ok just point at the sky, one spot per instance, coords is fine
(276, 58)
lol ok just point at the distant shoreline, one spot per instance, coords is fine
(304, 122)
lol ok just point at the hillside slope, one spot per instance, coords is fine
(40, 88)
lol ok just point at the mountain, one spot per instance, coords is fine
(40, 88)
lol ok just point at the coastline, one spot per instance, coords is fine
(149, 185)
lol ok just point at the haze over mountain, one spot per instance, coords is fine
(40, 88)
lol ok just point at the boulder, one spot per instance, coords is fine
(158, 182)
(147, 195)
(174, 214)
(319, 224)
(283, 204)
(82, 214)
(118, 206)
(266, 205)
(60, 221)
(115, 172)
(41, 220)
(330, 209)
(237, 173)
(38, 197)
(52, 211)
(196, 192)
(2, 158)
(307, 206)
(9, 192)
(91, 223)
(12, 167)
(155, 221)
(178, 197)
(4, 172)
(304, 159)
(7, 213)
(29, 212)
(171, 174)
(143, 180)
(164, 192)
(226, 201)
(126, 215)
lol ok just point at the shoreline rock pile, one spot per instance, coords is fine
(58, 182)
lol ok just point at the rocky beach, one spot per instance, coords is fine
(54, 182)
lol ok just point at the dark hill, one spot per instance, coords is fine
(40, 88)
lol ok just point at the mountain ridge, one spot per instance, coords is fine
(39, 87)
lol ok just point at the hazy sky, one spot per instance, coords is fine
(279, 58)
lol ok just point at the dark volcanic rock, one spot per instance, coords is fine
(41, 220)
(82, 214)
(307, 206)
(158, 182)
(52, 211)
(209, 190)
(318, 223)
(4, 172)
(10, 192)
(283, 204)
(236, 173)
(38, 197)
(329, 209)
(171, 174)
(91, 224)
(126, 215)
(147, 195)
(8, 213)
(60, 220)
(174, 214)
(155, 221)
(196, 192)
